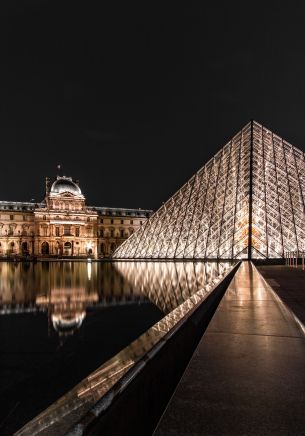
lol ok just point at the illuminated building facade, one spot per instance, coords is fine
(62, 225)
(246, 202)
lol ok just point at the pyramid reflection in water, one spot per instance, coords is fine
(246, 202)
(169, 284)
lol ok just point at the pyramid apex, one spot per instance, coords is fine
(246, 202)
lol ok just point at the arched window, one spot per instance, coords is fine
(44, 248)
(11, 247)
(67, 248)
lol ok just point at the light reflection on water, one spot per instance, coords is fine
(158, 295)
(67, 289)
(169, 284)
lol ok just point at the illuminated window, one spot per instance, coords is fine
(67, 230)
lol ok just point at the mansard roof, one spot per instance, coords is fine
(111, 211)
(116, 211)
(20, 205)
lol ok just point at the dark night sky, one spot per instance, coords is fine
(133, 98)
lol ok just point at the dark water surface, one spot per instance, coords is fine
(59, 321)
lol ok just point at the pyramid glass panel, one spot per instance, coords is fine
(246, 202)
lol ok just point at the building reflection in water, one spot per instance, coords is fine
(176, 288)
(67, 301)
(65, 290)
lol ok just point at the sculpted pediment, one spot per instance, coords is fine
(67, 195)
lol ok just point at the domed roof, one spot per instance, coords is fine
(67, 323)
(65, 184)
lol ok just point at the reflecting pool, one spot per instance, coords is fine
(60, 321)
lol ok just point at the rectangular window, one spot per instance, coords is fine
(56, 231)
(11, 217)
(131, 221)
(67, 230)
(102, 221)
(122, 233)
(111, 233)
(77, 231)
(122, 221)
(111, 221)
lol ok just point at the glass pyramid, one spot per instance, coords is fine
(246, 202)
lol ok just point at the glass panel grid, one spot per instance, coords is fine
(209, 217)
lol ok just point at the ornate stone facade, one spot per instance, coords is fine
(63, 226)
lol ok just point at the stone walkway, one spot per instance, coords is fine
(289, 284)
(247, 375)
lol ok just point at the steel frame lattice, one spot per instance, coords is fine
(246, 202)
